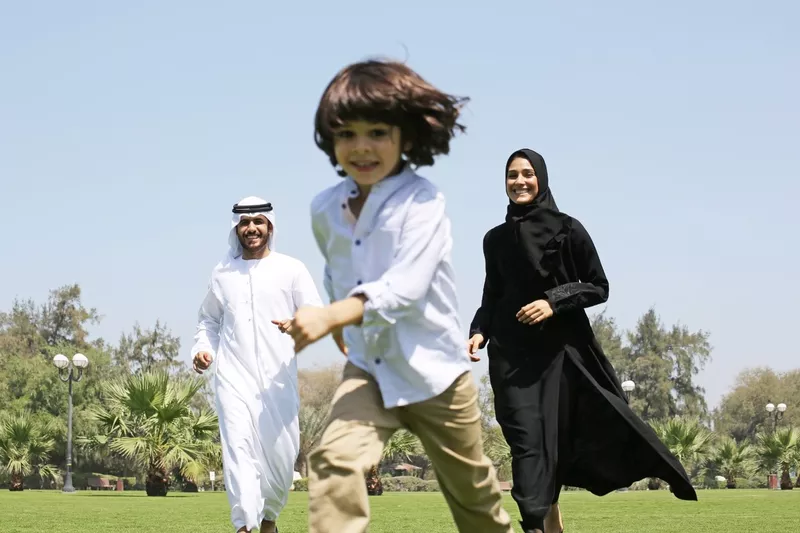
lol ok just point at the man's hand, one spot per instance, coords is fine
(309, 325)
(338, 338)
(201, 361)
(284, 325)
(473, 345)
(535, 312)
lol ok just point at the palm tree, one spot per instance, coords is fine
(312, 424)
(401, 447)
(147, 418)
(797, 466)
(687, 439)
(779, 450)
(498, 450)
(25, 447)
(732, 461)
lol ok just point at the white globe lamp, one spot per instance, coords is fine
(80, 360)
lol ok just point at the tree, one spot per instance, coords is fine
(742, 412)
(312, 422)
(25, 447)
(148, 419)
(662, 362)
(19, 331)
(149, 350)
(316, 388)
(498, 450)
(62, 321)
(732, 460)
(610, 338)
(402, 446)
(779, 450)
(687, 439)
(30, 335)
(63, 318)
(486, 403)
(494, 443)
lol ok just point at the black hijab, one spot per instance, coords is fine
(539, 227)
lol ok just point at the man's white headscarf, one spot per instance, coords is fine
(251, 206)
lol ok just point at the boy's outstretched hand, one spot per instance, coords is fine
(309, 325)
(312, 323)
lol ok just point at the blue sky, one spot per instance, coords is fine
(127, 131)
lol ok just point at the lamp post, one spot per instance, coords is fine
(68, 374)
(775, 412)
(628, 385)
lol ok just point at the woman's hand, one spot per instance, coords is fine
(473, 345)
(535, 312)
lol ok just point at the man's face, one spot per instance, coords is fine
(253, 232)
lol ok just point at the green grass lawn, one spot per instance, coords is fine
(639, 512)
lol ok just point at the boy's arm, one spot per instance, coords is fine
(424, 240)
(312, 323)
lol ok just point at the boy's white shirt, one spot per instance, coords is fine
(398, 253)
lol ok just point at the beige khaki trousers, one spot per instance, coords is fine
(359, 427)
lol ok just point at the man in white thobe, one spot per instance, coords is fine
(253, 293)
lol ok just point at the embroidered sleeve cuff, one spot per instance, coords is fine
(375, 308)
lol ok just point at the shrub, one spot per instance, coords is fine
(409, 484)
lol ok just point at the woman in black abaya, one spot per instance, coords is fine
(557, 398)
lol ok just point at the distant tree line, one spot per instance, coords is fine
(142, 416)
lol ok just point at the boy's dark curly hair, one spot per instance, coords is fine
(392, 93)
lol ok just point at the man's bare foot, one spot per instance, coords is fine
(553, 522)
(268, 526)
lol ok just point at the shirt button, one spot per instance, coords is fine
(377, 361)
(358, 242)
(344, 206)
(358, 282)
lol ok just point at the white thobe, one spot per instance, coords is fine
(255, 378)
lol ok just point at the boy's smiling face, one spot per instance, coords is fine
(367, 151)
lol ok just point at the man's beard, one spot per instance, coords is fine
(258, 245)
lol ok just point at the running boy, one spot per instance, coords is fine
(387, 244)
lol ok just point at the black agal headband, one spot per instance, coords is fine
(260, 208)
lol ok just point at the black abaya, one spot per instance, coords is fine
(557, 398)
